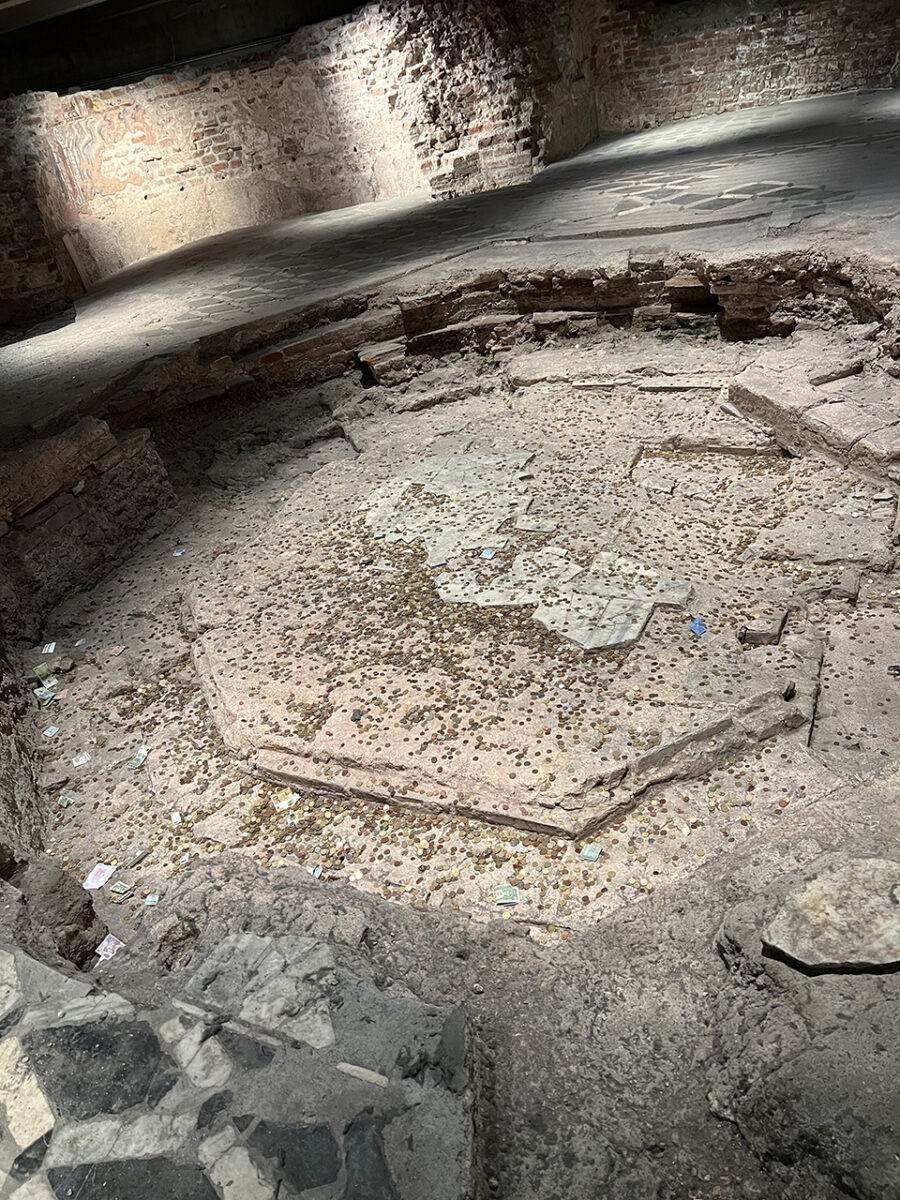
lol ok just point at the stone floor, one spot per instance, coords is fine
(451, 657)
(582, 655)
(826, 169)
(276, 1073)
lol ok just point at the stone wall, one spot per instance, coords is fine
(69, 505)
(20, 816)
(396, 97)
(135, 171)
(369, 107)
(30, 277)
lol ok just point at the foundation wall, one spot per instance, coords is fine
(696, 58)
(71, 504)
(20, 816)
(394, 98)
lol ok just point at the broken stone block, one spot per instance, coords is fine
(43, 469)
(841, 425)
(687, 283)
(847, 587)
(846, 918)
(385, 362)
(765, 632)
(840, 370)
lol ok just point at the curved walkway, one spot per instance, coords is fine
(826, 170)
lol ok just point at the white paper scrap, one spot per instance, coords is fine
(98, 876)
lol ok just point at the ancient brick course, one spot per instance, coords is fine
(69, 505)
(699, 58)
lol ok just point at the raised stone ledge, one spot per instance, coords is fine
(43, 469)
(577, 287)
(853, 414)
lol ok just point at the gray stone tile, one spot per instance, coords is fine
(129, 1181)
(91, 1069)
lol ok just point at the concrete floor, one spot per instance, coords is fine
(327, 659)
(826, 171)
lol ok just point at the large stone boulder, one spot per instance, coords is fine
(809, 1039)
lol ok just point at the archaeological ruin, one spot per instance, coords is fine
(450, 600)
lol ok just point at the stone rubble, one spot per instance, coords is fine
(210, 1095)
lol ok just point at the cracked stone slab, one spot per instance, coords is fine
(488, 685)
(28, 1114)
(128, 1179)
(846, 406)
(478, 493)
(278, 984)
(21, 977)
(309, 1157)
(95, 1068)
(846, 918)
(663, 364)
(107, 1137)
(203, 1061)
(856, 715)
(595, 607)
(237, 1178)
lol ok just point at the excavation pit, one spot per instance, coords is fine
(437, 649)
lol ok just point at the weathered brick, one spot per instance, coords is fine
(44, 468)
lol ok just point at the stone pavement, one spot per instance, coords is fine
(275, 1073)
(826, 169)
(458, 612)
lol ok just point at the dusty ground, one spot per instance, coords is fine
(307, 696)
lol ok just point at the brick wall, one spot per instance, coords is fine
(398, 96)
(139, 170)
(706, 56)
(70, 504)
(30, 276)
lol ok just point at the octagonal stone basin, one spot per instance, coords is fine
(494, 616)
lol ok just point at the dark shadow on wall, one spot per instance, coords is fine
(119, 39)
(37, 278)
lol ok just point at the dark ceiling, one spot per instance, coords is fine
(58, 45)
